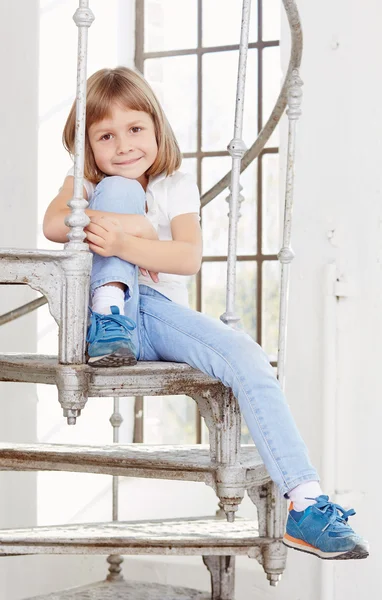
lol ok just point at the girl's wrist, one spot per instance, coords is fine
(122, 245)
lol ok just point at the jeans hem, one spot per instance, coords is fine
(310, 476)
(101, 282)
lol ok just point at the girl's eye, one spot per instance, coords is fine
(134, 129)
(106, 137)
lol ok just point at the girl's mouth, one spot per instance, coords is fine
(129, 162)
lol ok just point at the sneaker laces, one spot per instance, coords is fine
(113, 323)
(334, 510)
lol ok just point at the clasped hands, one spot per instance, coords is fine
(106, 237)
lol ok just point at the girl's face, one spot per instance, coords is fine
(124, 144)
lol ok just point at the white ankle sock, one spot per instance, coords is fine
(106, 296)
(298, 495)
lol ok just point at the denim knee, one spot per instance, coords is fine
(119, 194)
(241, 348)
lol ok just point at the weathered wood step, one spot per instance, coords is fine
(126, 590)
(145, 378)
(187, 462)
(196, 536)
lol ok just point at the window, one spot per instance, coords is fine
(188, 51)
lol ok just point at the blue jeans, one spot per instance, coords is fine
(169, 331)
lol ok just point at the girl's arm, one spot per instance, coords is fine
(181, 256)
(54, 227)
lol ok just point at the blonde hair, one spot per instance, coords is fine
(131, 90)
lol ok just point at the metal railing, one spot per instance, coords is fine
(290, 94)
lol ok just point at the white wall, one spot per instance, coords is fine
(337, 219)
(18, 184)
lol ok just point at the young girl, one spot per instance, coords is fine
(144, 221)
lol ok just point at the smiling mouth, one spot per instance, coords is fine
(129, 162)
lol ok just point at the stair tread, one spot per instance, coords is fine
(126, 590)
(187, 457)
(199, 535)
(50, 361)
(144, 378)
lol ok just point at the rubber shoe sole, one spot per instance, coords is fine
(122, 358)
(359, 551)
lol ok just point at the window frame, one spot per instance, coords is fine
(259, 258)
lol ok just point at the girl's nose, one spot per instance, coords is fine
(124, 145)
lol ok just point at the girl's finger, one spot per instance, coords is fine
(154, 276)
(97, 249)
(94, 228)
(96, 240)
(106, 223)
(143, 271)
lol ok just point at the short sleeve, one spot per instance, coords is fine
(89, 187)
(183, 197)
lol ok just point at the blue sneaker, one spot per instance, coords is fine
(109, 340)
(322, 529)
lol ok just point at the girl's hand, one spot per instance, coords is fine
(145, 273)
(105, 235)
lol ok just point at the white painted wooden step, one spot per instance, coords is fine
(186, 462)
(126, 590)
(207, 536)
(146, 378)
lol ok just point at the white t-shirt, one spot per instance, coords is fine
(167, 197)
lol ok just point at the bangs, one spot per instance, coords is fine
(114, 89)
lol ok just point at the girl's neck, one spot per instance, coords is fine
(143, 180)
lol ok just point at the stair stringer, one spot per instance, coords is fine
(220, 410)
(63, 277)
(271, 510)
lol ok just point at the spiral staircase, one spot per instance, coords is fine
(230, 468)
